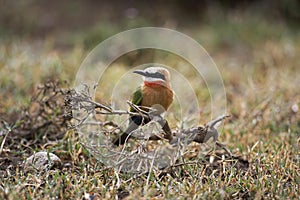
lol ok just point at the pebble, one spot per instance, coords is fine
(41, 161)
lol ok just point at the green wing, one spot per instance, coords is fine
(137, 98)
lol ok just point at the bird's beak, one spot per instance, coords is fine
(140, 72)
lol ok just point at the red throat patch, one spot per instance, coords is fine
(154, 84)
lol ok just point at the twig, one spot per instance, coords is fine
(217, 120)
(198, 134)
(3, 141)
(224, 147)
(177, 139)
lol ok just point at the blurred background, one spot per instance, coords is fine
(68, 22)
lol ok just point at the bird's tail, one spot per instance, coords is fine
(134, 123)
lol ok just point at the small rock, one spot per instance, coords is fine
(295, 108)
(88, 196)
(41, 161)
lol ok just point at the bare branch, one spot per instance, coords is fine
(198, 134)
(137, 159)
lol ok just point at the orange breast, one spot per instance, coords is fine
(157, 94)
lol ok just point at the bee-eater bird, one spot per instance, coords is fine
(155, 92)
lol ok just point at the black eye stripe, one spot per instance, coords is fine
(156, 75)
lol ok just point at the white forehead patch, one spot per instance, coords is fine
(154, 69)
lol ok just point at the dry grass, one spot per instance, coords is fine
(262, 86)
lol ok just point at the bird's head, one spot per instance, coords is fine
(155, 75)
